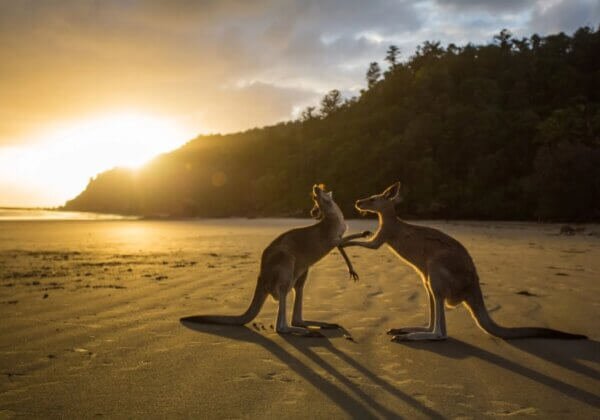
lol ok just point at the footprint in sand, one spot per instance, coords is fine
(274, 362)
(140, 365)
(7, 414)
(413, 296)
(402, 382)
(394, 368)
(293, 396)
(278, 377)
(505, 409)
(455, 387)
(423, 399)
(246, 377)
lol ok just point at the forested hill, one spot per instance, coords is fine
(509, 130)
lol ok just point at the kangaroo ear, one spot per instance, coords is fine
(330, 194)
(397, 196)
(392, 192)
(315, 190)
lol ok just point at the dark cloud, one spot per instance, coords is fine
(564, 15)
(488, 5)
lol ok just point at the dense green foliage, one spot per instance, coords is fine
(509, 130)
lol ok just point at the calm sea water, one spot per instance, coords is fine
(8, 214)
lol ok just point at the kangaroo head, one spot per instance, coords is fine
(323, 202)
(380, 203)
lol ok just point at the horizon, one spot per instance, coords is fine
(218, 68)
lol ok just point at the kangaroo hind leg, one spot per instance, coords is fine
(429, 328)
(297, 320)
(283, 282)
(435, 282)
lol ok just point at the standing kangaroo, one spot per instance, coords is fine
(446, 268)
(285, 264)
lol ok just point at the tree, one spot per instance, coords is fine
(429, 48)
(307, 114)
(452, 49)
(330, 102)
(392, 56)
(503, 38)
(373, 74)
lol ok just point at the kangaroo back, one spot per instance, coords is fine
(260, 295)
(476, 305)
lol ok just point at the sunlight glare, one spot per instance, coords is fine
(60, 162)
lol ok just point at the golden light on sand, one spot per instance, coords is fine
(56, 165)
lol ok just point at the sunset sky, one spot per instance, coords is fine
(87, 85)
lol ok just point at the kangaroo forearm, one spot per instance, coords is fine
(353, 236)
(365, 244)
(346, 259)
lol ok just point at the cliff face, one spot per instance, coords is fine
(507, 131)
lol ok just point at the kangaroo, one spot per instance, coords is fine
(444, 265)
(285, 264)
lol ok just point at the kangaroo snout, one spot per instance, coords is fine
(360, 206)
(363, 204)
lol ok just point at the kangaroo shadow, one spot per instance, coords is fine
(566, 355)
(306, 347)
(359, 406)
(457, 349)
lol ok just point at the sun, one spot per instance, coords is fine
(58, 163)
(123, 139)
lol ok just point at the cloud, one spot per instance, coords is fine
(564, 16)
(276, 103)
(506, 6)
(66, 59)
(197, 60)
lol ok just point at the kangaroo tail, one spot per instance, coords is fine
(476, 305)
(260, 295)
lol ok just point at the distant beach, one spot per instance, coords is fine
(30, 214)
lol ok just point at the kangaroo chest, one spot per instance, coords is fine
(406, 260)
(412, 253)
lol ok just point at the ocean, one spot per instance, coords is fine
(20, 214)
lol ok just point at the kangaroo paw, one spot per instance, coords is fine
(300, 331)
(320, 324)
(312, 333)
(327, 326)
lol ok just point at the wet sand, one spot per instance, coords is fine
(90, 326)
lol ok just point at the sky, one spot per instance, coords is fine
(88, 85)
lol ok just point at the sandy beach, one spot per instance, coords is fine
(90, 326)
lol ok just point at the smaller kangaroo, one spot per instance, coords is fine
(444, 265)
(285, 264)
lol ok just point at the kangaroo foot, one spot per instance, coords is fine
(313, 333)
(320, 324)
(300, 331)
(327, 326)
(407, 330)
(419, 336)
